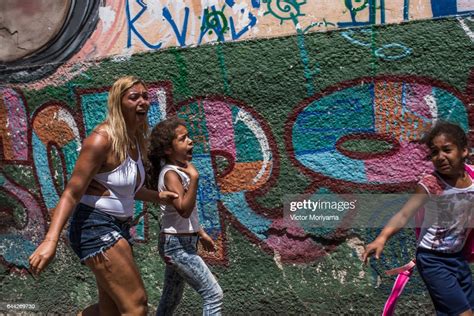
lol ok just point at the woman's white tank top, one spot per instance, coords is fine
(122, 185)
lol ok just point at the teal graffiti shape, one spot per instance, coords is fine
(384, 51)
(16, 250)
(284, 9)
(388, 52)
(215, 21)
(348, 4)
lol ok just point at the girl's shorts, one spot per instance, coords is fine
(92, 231)
(448, 279)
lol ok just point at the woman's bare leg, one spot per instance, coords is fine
(121, 289)
(105, 307)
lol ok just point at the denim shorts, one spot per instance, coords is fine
(448, 279)
(92, 231)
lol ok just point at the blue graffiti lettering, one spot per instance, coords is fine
(252, 23)
(213, 21)
(131, 27)
(180, 36)
(406, 10)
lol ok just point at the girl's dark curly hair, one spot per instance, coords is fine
(161, 139)
(452, 131)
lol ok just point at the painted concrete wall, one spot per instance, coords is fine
(275, 108)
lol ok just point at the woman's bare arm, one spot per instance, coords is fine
(92, 156)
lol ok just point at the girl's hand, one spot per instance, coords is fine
(397, 222)
(42, 256)
(375, 247)
(207, 242)
(190, 170)
(167, 197)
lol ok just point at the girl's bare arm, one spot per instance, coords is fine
(186, 200)
(397, 222)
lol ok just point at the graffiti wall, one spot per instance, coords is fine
(281, 98)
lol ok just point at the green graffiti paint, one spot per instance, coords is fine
(361, 7)
(284, 10)
(221, 57)
(367, 146)
(215, 21)
(291, 10)
(23, 175)
(180, 81)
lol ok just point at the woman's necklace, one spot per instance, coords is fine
(133, 144)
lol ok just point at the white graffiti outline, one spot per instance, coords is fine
(253, 125)
(466, 28)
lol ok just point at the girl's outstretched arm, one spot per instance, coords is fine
(397, 222)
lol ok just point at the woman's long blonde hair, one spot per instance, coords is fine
(115, 123)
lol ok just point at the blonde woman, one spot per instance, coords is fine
(106, 180)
